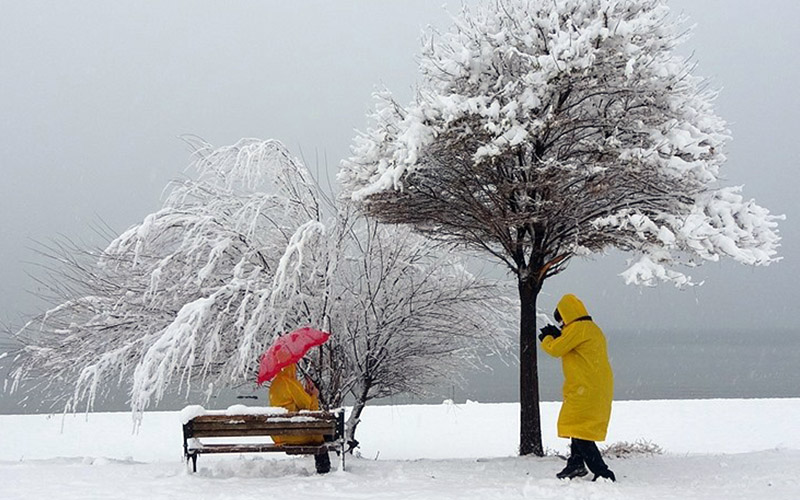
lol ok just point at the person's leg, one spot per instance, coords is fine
(575, 467)
(591, 455)
(323, 462)
(575, 456)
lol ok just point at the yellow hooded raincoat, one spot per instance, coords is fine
(287, 392)
(588, 380)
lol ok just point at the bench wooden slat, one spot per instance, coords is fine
(260, 448)
(277, 426)
(306, 415)
(281, 431)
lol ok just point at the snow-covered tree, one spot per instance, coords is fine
(185, 295)
(542, 130)
(190, 297)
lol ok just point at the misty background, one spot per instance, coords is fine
(94, 96)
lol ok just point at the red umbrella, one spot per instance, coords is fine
(288, 349)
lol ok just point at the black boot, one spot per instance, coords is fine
(572, 471)
(575, 463)
(608, 474)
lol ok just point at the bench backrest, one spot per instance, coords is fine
(300, 423)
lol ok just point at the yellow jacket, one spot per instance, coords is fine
(588, 380)
(287, 392)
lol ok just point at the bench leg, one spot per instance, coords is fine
(193, 457)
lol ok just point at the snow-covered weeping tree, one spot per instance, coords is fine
(190, 297)
(185, 295)
(542, 130)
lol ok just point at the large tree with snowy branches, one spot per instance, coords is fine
(190, 297)
(543, 130)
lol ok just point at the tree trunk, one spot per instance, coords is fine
(352, 422)
(530, 427)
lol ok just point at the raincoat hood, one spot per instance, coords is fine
(571, 308)
(289, 371)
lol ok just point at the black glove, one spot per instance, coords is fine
(550, 330)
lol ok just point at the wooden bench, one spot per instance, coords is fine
(214, 425)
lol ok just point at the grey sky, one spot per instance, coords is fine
(94, 94)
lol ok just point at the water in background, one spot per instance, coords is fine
(646, 364)
(665, 365)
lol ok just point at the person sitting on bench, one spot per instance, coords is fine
(287, 392)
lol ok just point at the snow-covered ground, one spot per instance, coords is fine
(712, 449)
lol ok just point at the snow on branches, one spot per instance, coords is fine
(542, 130)
(547, 129)
(189, 298)
(178, 299)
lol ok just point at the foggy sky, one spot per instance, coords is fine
(94, 96)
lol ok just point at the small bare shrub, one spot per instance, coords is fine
(624, 449)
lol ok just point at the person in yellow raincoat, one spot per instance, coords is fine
(287, 392)
(588, 386)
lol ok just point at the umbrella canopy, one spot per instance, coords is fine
(289, 349)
